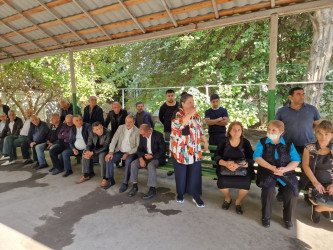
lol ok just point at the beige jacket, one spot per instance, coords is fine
(118, 139)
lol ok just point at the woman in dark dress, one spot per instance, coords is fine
(233, 152)
(317, 164)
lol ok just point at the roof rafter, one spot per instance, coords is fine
(60, 20)
(33, 23)
(166, 7)
(131, 15)
(91, 18)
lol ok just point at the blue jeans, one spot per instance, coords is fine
(10, 143)
(40, 153)
(115, 160)
(66, 158)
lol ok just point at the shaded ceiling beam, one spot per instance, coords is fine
(166, 7)
(31, 22)
(60, 20)
(91, 18)
(131, 15)
(22, 35)
(12, 44)
(216, 12)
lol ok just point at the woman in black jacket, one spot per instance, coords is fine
(235, 165)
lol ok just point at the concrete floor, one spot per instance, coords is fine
(42, 211)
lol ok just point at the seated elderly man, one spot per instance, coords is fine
(123, 146)
(97, 147)
(151, 153)
(12, 127)
(78, 140)
(12, 141)
(52, 138)
(3, 119)
(116, 117)
(61, 144)
(93, 113)
(38, 134)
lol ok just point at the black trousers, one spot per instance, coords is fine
(25, 146)
(188, 178)
(268, 198)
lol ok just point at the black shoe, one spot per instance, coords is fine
(169, 173)
(67, 173)
(315, 216)
(36, 166)
(226, 204)
(57, 171)
(51, 169)
(279, 196)
(239, 209)
(180, 198)
(198, 201)
(151, 193)
(326, 214)
(289, 225)
(133, 191)
(123, 188)
(266, 222)
(28, 161)
(41, 166)
(110, 183)
(91, 175)
(306, 199)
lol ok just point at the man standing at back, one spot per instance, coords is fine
(298, 118)
(116, 117)
(166, 112)
(216, 118)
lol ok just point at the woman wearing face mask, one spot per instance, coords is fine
(317, 164)
(185, 146)
(277, 160)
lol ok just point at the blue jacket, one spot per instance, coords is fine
(43, 132)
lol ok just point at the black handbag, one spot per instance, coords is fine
(241, 171)
(320, 199)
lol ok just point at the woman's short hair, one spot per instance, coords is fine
(231, 125)
(325, 125)
(278, 124)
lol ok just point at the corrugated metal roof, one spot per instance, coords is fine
(150, 14)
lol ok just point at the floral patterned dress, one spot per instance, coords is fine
(185, 140)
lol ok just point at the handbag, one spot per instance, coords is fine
(240, 171)
(320, 199)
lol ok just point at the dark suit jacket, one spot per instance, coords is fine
(18, 124)
(43, 134)
(111, 118)
(157, 147)
(99, 144)
(96, 116)
(86, 128)
(70, 111)
(5, 109)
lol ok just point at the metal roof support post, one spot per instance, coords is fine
(71, 64)
(123, 97)
(272, 65)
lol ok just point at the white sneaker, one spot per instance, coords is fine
(8, 163)
(4, 158)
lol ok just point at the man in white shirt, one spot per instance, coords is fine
(11, 142)
(151, 153)
(123, 146)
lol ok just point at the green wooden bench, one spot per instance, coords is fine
(207, 169)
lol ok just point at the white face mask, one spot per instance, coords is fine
(272, 136)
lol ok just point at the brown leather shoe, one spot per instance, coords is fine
(83, 179)
(104, 183)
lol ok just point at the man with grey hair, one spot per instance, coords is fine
(12, 126)
(93, 113)
(66, 108)
(12, 141)
(38, 133)
(123, 146)
(151, 153)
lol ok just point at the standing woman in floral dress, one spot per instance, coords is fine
(185, 146)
